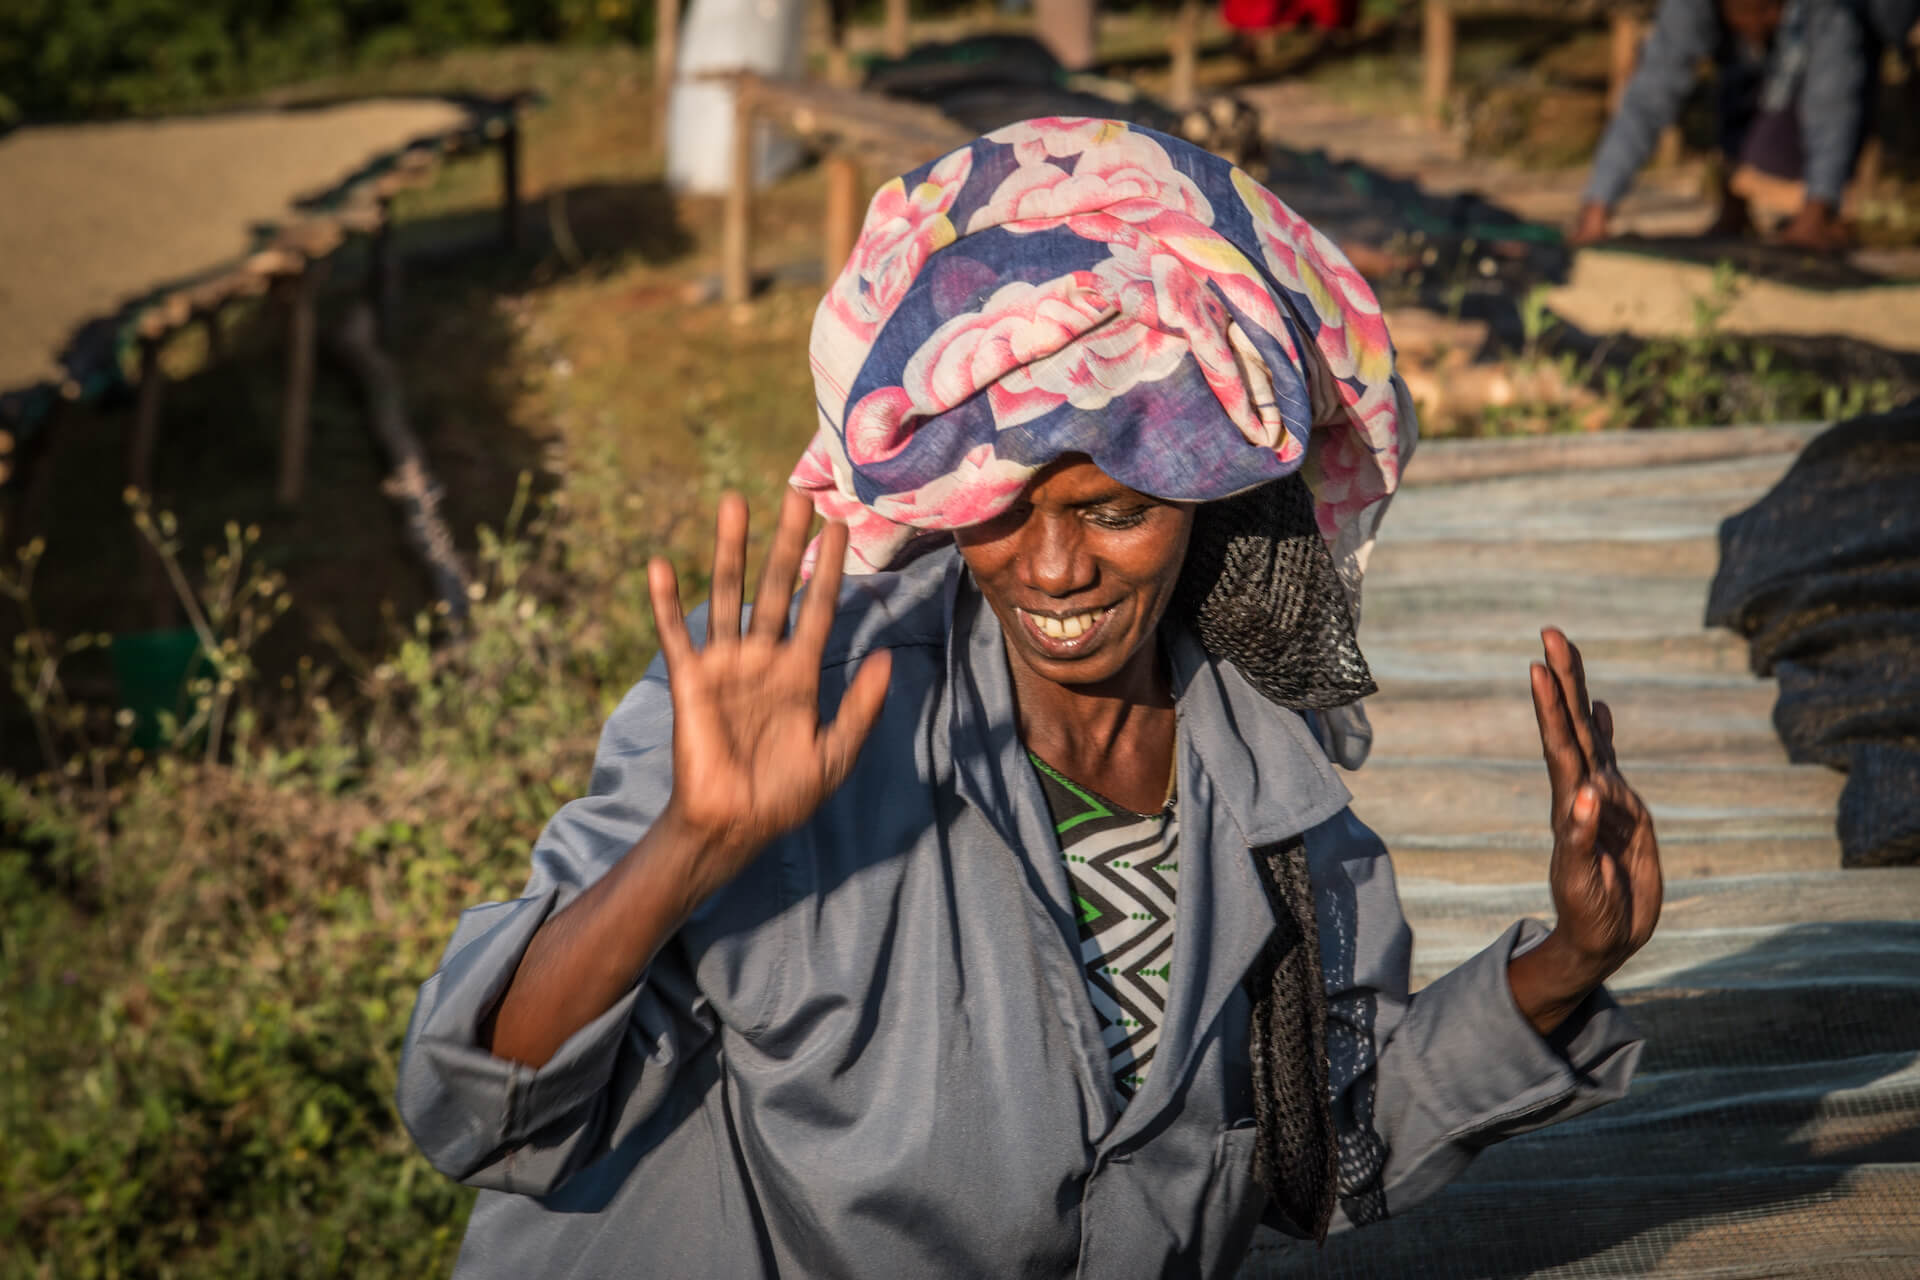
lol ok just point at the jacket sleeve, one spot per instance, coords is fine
(1423, 1081)
(1683, 33)
(501, 1125)
(1832, 99)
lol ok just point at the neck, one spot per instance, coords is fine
(1116, 736)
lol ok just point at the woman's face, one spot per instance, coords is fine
(1079, 571)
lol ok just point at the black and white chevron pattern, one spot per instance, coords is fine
(1125, 872)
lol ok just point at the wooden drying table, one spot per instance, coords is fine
(854, 131)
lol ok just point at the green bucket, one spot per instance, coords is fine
(152, 669)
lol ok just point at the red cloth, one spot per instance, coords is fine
(1260, 15)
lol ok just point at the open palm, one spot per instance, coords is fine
(1605, 874)
(752, 758)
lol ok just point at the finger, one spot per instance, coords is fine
(663, 592)
(1603, 733)
(1577, 874)
(1565, 767)
(1563, 659)
(840, 741)
(729, 570)
(823, 593)
(773, 598)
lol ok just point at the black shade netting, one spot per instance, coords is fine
(1260, 589)
(1822, 578)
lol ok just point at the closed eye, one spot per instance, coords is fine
(1118, 518)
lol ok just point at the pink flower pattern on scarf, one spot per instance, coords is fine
(1112, 285)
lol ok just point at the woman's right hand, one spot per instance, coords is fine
(751, 757)
(1590, 226)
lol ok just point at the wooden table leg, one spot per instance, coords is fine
(296, 411)
(154, 587)
(146, 418)
(383, 271)
(666, 61)
(1436, 44)
(1186, 55)
(843, 215)
(897, 38)
(510, 183)
(736, 281)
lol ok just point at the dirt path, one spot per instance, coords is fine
(92, 216)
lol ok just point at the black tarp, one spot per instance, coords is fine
(1822, 577)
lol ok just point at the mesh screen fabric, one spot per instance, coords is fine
(1822, 577)
(1260, 590)
(1295, 1156)
(1773, 1130)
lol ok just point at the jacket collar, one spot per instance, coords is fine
(1250, 774)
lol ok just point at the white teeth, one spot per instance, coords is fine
(1071, 627)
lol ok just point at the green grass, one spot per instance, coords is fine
(206, 965)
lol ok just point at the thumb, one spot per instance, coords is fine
(859, 708)
(1583, 821)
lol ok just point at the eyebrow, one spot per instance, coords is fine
(1110, 499)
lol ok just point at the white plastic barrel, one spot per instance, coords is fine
(767, 36)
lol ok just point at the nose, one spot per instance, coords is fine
(1055, 557)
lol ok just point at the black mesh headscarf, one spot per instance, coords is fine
(1261, 591)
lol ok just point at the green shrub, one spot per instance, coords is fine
(91, 58)
(207, 959)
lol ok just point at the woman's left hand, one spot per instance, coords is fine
(1605, 872)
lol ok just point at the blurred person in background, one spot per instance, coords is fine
(1795, 80)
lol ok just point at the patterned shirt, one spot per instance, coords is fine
(1125, 870)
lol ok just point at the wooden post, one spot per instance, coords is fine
(1067, 28)
(216, 334)
(296, 408)
(146, 417)
(154, 587)
(839, 59)
(843, 215)
(1866, 174)
(383, 270)
(666, 61)
(1186, 54)
(1670, 147)
(1625, 56)
(1436, 43)
(510, 182)
(736, 282)
(897, 40)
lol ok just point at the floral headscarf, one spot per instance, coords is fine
(1088, 286)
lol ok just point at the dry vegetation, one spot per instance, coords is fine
(208, 952)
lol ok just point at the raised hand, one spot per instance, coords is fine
(751, 758)
(1605, 873)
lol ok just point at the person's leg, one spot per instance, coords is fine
(1738, 103)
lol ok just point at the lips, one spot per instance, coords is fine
(1064, 635)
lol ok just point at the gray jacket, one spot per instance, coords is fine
(1818, 65)
(873, 1053)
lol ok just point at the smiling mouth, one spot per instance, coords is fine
(1066, 633)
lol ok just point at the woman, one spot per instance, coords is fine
(996, 912)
